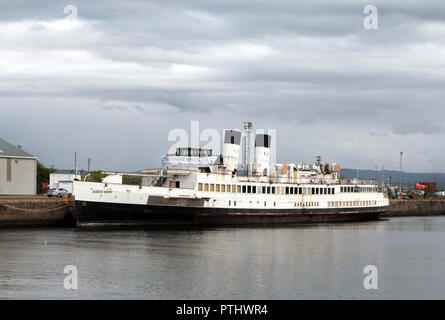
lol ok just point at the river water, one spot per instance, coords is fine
(292, 262)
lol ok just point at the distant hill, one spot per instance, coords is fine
(408, 178)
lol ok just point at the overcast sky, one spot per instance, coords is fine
(114, 82)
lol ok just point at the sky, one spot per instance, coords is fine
(112, 80)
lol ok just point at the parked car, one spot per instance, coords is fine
(58, 192)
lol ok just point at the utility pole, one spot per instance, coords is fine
(75, 164)
(89, 165)
(376, 175)
(383, 178)
(400, 191)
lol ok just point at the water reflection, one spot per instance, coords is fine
(286, 262)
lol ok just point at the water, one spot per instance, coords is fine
(310, 262)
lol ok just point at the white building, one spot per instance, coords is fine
(63, 180)
(18, 171)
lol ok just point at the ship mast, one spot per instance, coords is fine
(248, 128)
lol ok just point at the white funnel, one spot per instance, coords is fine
(232, 141)
(262, 154)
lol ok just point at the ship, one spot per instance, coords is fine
(194, 187)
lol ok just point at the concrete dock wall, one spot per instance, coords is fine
(18, 211)
(418, 207)
(36, 211)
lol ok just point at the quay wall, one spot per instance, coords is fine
(36, 211)
(419, 207)
(18, 211)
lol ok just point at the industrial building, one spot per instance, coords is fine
(430, 187)
(64, 179)
(18, 170)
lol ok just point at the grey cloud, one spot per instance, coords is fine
(118, 108)
(307, 68)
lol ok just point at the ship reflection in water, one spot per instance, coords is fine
(310, 262)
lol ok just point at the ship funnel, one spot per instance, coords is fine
(262, 154)
(232, 141)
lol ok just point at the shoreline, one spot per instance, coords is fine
(36, 211)
(41, 211)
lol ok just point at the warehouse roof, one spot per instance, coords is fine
(9, 150)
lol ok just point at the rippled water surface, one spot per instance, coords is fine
(293, 262)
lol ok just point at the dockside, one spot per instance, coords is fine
(36, 211)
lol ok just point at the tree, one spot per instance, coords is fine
(132, 180)
(390, 195)
(96, 176)
(43, 172)
(43, 177)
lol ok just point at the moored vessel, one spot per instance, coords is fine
(196, 187)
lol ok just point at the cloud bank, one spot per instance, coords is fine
(112, 83)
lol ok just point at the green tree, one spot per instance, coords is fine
(132, 180)
(43, 172)
(390, 195)
(96, 176)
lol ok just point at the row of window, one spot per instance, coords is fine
(310, 191)
(331, 204)
(210, 187)
(336, 204)
(265, 203)
(357, 189)
(193, 152)
(297, 204)
(307, 204)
